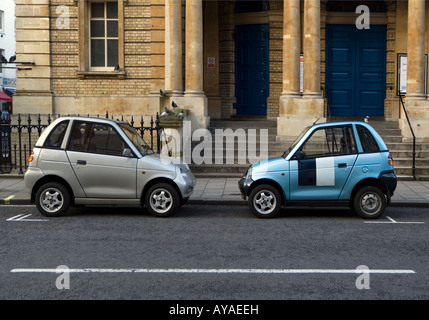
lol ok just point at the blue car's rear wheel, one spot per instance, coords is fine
(369, 202)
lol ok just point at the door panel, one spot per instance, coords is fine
(95, 154)
(321, 178)
(252, 69)
(104, 176)
(323, 164)
(356, 70)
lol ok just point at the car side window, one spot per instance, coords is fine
(55, 138)
(96, 138)
(367, 140)
(328, 142)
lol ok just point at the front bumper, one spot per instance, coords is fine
(186, 183)
(244, 185)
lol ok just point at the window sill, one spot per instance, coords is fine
(101, 74)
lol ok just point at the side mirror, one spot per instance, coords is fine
(127, 153)
(299, 155)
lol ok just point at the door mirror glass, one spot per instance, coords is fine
(127, 153)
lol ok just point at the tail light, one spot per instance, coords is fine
(31, 158)
(390, 160)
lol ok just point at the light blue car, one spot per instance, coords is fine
(335, 163)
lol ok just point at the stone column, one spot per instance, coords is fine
(194, 47)
(312, 48)
(291, 47)
(416, 49)
(173, 47)
(296, 111)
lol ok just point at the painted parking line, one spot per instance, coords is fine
(218, 271)
(392, 221)
(7, 199)
(23, 217)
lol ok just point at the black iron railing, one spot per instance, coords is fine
(18, 137)
(414, 137)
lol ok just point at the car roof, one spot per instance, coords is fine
(86, 118)
(339, 123)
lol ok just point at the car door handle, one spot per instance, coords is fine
(342, 165)
(81, 162)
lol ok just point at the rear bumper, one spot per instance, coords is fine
(390, 180)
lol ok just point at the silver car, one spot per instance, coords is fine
(84, 161)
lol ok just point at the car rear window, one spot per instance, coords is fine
(55, 138)
(367, 140)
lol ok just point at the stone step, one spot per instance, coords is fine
(245, 124)
(407, 171)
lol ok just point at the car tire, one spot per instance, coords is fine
(369, 202)
(265, 201)
(53, 199)
(162, 200)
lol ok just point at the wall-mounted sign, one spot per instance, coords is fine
(211, 62)
(402, 73)
(301, 73)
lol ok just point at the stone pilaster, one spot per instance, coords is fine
(33, 86)
(194, 98)
(416, 49)
(312, 48)
(173, 47)
(291, 47)
(296, 111)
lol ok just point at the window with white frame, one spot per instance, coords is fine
(1, 21)
(103, 35)
(1, 63)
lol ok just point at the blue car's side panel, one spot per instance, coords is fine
(327, 178)
(320, 178)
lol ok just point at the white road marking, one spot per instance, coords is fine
(22, 217)
(7, 199)
(218, 271)
(393, 221)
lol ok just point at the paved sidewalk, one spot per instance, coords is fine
(222, 190)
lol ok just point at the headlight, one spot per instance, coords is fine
(248, 173)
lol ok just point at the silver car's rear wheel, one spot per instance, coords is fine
(52, 199)
(162, 200)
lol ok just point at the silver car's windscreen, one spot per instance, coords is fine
(136, 139)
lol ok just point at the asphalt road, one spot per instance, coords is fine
(213, 252)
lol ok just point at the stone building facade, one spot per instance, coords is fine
(294, 60)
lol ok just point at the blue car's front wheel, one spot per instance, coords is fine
(265, 201)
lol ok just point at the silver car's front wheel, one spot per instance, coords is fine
(52, 199)
(265, 201)
(162, 200)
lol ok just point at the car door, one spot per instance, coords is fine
(95, 154)
(322, 165)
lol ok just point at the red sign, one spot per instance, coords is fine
(211, 62)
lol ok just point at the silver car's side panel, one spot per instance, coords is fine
(151, 167)
(103, 179)
(100, 201)
(104, 176)
(55, 162)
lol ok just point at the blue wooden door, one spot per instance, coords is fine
(356, 70)
(251, 69)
